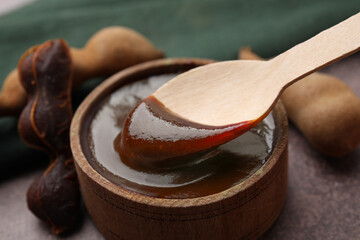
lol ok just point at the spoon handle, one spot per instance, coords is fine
(321, 50)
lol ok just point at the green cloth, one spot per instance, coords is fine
(204, 28)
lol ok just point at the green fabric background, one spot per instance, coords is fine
(204, 28)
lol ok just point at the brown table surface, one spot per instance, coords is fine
(322, 202)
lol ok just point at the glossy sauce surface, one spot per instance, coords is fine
(153, 137)
(209, 172)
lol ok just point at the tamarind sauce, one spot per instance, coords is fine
(202, 173)
(154, 137)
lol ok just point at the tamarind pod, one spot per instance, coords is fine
(12, 95)
(45, 72)
(55, 197)
(110, 50)
(324, 109)
(107, 52)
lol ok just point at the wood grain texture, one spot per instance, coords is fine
(212, 94)
(244, 211)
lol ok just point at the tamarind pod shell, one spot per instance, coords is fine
(325, 110)
(12, 95)
(110, 50)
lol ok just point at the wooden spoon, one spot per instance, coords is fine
(218, 102)
(236, 91)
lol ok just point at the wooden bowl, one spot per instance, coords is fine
(244, 211)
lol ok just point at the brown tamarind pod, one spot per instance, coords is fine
(110, 50)
(324, 109)
(106, 52)
(45, 73)
(12, 95)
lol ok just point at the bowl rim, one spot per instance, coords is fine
(108, 85)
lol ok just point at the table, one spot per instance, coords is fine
(322, 202)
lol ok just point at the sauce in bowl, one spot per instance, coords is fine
(207, 173)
